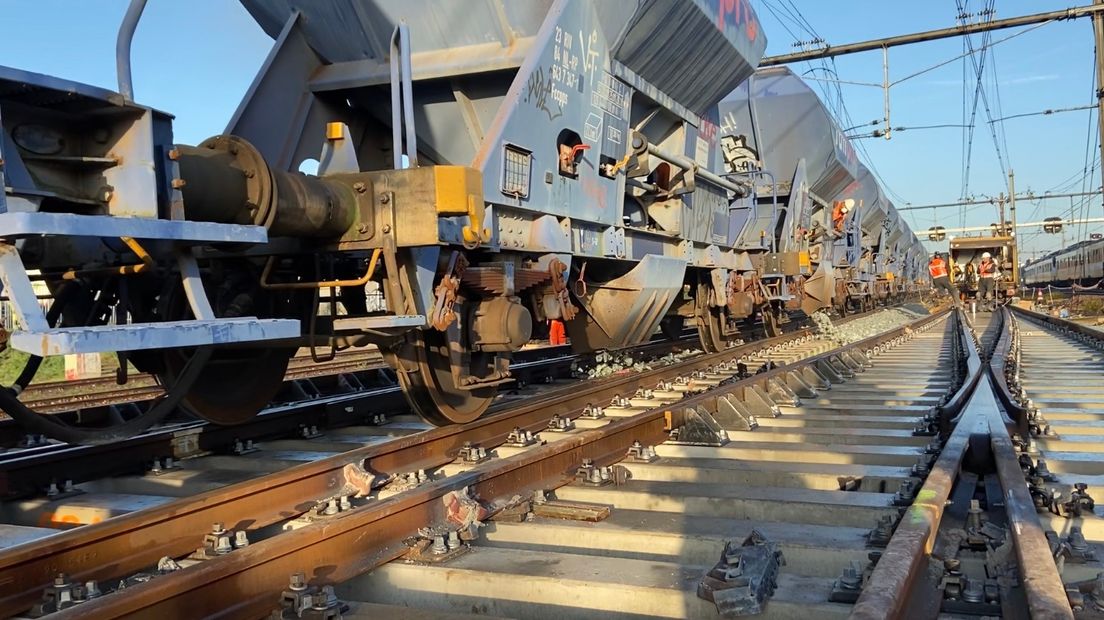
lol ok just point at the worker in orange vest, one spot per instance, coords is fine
(941, 279)
(840, 209)
(987, 281)
(556, 333)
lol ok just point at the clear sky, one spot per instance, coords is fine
(196, 58)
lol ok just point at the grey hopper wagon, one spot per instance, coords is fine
(484, 166)
(784, 128)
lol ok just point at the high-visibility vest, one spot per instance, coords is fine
(987, 270)
(838, 215)
(556, 333)
(937, 268)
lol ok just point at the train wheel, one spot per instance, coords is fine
(233, 386)
(237, 381)
(431, 387)
(672, 327)
(772, 324)
(55, 427)
(710, 322)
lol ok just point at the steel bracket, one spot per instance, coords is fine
(963, 595)
(906, 493)
(760, 403)
(744, 578)
(828, 371)
(813, 377)
(697, 427)
(640, 453)
(733, 414)
(520, 438)
(780, 392)
(302, 601)
(841, 367)
(435, 547)
(471, 454)
(850, 584)
(798, 385)
(881, 534)
(560, 424)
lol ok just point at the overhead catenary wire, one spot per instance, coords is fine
(1047, 112)
(988, 99)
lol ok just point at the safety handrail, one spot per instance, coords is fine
(122, 47)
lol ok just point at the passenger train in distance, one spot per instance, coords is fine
(1081, 264)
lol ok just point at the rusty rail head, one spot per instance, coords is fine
(890, 586)
(352, 543)
(1084, 330)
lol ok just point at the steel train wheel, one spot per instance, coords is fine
(772, 324)
(710, 322)
(709, 332)
(672, 328)
(233, 386)
(53, 427)
(431, 389)
(237, 381)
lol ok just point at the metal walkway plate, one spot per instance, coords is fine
(379, 322)
(22, 224)
(136, 336)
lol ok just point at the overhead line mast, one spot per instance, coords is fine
(1098, 36)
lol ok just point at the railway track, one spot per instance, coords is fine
(1052, 371)
(347, 400)
(64, 396)
(136, 541)
(811, 485)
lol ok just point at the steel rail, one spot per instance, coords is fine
(889, 588)
(28, 471)
(137, 540)
(354, 542)
(1042, 582)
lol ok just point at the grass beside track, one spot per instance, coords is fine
(12, 362)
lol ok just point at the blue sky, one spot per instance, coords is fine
(195, 59)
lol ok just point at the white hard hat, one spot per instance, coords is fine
(986, 255)
(848, 204)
